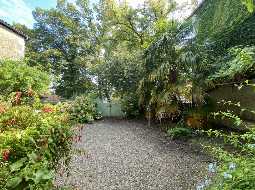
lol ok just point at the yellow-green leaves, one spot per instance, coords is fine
(249, 4)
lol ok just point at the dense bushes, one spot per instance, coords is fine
(237, 169)
(31, 142)
(83, 109)
(19, 77)
(33, 137)
(235, 149)
(201, 57)
(129, 105)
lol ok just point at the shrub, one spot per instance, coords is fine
(235, 172)
(29, 154)
(237, 156)
(179, 132)
(16, 76)
(83, 109)
(18, 117)
(129, 105)
(33, 137)
(239, 173)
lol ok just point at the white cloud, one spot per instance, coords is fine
(16, 11)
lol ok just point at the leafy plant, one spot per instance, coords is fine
(83, 110)
(237, 155)
(18, 117)
(30, 150)
(179, 132)
(129, 105)
(17, 76)
(235, 66)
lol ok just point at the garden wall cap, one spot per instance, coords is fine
(5, 24)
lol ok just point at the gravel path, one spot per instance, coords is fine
(128, 155)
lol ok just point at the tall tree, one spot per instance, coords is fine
(126, 32)
(62, 40)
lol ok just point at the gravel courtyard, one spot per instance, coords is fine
(129, 155)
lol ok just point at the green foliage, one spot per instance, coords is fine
(235, 67)
(237, 169)
(217, 17)
(18, 76)
(126, 32)
(67, 57)
(249, 4)
(19, 117)
(202, 52)
(179, 132)
(129, 105)
(237, 153)
(83, 110)
(159, 82)
(33, 137)
(31, 143)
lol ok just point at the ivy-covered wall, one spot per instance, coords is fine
(12, 45)
(216, 18)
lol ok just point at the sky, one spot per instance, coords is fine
(20, 11)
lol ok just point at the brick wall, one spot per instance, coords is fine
(12, 45)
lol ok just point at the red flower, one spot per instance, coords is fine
(6, 155)
(47, 110)
(18, 97)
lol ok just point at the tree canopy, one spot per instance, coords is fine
(141, 54)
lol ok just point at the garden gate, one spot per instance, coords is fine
(110, 109)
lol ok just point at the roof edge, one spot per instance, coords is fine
(13, 29)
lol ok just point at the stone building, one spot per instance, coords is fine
(12, 42)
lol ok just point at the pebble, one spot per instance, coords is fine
(129, 155)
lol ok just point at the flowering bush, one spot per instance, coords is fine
(83, 110)
(48, 109)
(31, 143)
(33, 137)
(237, 170)
(16, 76)
(18, 117)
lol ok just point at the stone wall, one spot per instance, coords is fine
(12, 45)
